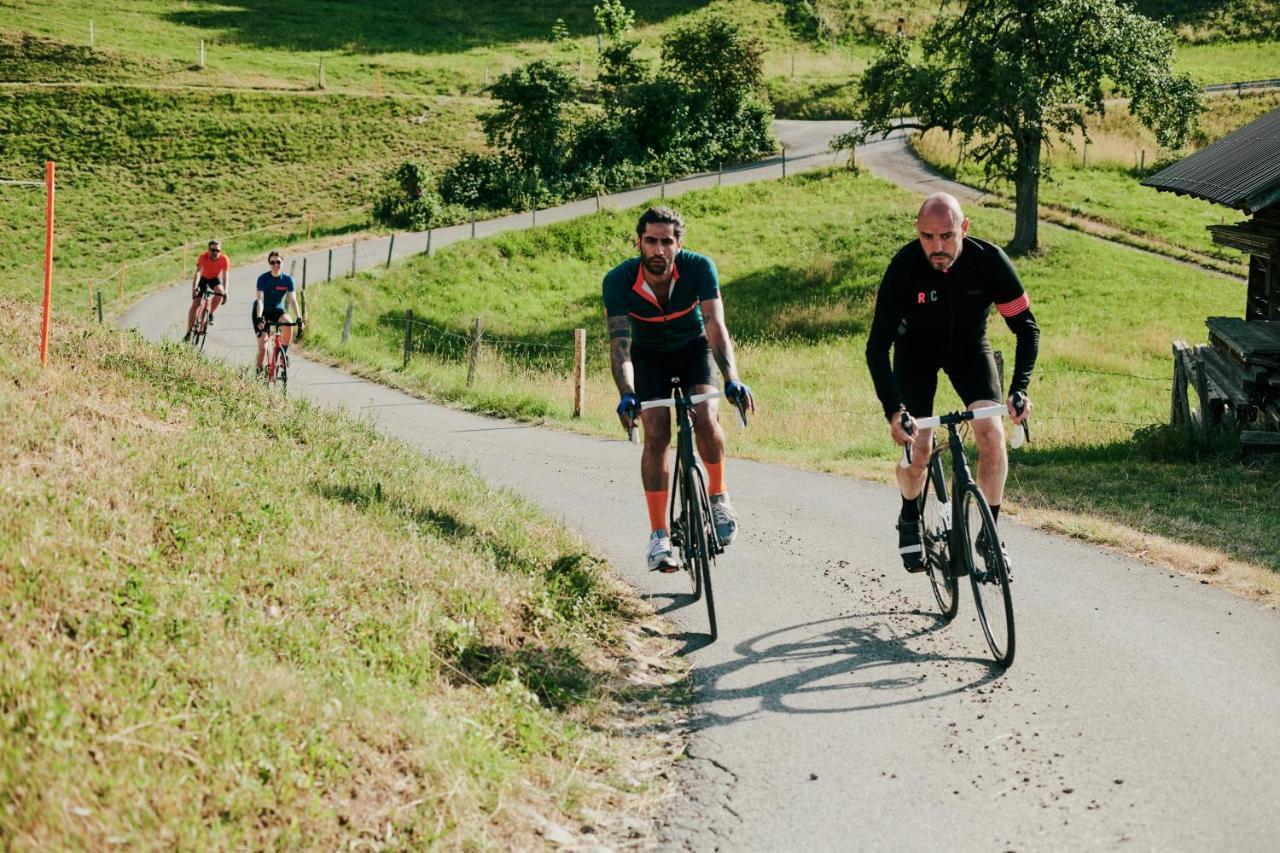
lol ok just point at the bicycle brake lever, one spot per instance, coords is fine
(909, 429)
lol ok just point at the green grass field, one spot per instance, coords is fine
(798, 296)
(154, 155)
(141, 172)
(235, 621)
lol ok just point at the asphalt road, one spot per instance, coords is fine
(835, 712)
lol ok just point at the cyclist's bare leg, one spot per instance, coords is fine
(286, 332)
(708, 433)
(654, 473)
(191, 313)
(262, 349)
(911, 478)
(219, 296)
(993, 461)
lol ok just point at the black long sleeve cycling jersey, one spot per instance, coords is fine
(937, 316)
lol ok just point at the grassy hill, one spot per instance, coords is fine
(798, 296)
(235, 621)
(155, 152)
(142, 171)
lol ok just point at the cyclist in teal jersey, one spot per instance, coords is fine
(666, 319)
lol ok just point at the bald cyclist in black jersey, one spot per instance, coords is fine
(932, 310)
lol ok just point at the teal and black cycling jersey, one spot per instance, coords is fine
(658, 327)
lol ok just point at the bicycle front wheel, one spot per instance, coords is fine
(283, 373)
(988, 574)
(699, 520)
(935, 527)
(682, 531)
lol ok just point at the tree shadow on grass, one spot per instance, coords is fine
(804, 304)
(401, 26)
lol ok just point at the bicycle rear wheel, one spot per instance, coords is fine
(935, 527)
(703, 538)
(988, 574)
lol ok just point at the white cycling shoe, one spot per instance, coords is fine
(726, 520)
(660, 557)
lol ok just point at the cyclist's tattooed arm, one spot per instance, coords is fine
(719, 339)
(620, 354)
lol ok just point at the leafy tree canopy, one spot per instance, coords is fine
(1009, 76)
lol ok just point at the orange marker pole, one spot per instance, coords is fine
(48, 264)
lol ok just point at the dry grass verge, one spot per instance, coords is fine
(233, 620)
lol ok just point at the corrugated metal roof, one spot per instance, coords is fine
(1241, 170)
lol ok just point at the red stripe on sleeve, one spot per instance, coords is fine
(1015, 307)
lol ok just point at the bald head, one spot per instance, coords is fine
(941, 227)
(941, 204)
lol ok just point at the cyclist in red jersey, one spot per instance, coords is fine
(212, 268)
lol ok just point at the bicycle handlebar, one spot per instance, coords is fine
(909, 425)
(693, 399)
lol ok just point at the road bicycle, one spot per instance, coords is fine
(692, 528)
(960, 536)
(275, 367)
(204, 314)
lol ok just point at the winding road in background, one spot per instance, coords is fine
(836, 712)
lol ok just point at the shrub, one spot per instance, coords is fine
(406, 199)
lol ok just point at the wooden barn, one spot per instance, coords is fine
(1237, 375)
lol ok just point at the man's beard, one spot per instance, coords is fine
(656, 264)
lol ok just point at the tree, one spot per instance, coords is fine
(614, 19)
(1009, 76)
(533, 119)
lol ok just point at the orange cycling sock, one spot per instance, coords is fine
(715, 477)
(657, 502)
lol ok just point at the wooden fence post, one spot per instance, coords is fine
(354, 245)
(475, 353)
(428, 250)
(99, 295)
(784, 162)
(408, 335)
(310, 220)
(533, 213)
(304, 272)
(328, 276)
(719, 173)
(346, 324)
(473, 227)
(579, 370)
(391, 246)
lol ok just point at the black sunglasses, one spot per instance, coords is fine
(274, 261)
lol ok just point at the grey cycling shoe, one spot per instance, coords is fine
(660, 557)
(726, 520)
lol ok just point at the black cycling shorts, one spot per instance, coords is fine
(972, 374)
(205, 284)
(268, 315)
(655, 369)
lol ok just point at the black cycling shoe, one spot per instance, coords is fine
(910, 545)
(988, 557)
